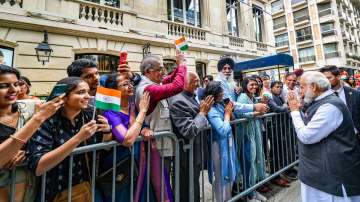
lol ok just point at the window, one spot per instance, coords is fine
(303, 34)
(105, 63)
(279, 22)
(6, 56)
(258, 22)
(307, 54)
(327, 29)
(296, 1)
(201, 70)
(331, 50)
(282, 40)
(231, 16)
(185, 11)
(277, 6)
(112, 3)
(324, 9)
(301, 15)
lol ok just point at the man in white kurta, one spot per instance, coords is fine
(326, 119)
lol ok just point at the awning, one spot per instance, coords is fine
(280, 59)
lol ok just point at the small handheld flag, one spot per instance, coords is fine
(108, 99)
(181, 44)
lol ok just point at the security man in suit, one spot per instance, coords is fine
(348, 95)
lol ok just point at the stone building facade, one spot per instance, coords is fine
(100, 29)
(318, 32)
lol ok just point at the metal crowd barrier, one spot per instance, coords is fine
(93, 149)
(278, 144)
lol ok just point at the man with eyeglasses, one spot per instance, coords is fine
(160, 89)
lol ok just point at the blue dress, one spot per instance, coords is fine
(250, 143)
(223, 164)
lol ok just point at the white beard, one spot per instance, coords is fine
(229, 79)
(309, 97)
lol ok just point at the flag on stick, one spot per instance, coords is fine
(107, 99)
(181, 44)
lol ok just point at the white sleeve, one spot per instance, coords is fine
(326, 119)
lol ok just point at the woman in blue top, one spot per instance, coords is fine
(223, 162)
(250, 141)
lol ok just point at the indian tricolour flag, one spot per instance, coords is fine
(107, 99)
(181, 44)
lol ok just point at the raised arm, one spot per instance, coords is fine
(121, 132)
(12, 145)
(221, 126)
(160, 92)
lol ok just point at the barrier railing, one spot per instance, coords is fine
(95, 148)
(265, 147)
(276, 138)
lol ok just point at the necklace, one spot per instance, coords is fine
(10, 120)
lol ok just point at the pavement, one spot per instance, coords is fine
(290, 194)
(278, 194)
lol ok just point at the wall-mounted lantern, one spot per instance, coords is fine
(43, 50)
(146, 50)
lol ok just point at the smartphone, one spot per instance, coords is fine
(58, 90)
(226, 100)
(123, 57)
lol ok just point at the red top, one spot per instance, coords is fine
(171, 85)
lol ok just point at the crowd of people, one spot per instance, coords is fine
(37, 138)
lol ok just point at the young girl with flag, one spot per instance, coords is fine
(70, 127)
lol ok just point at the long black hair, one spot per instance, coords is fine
(245, 82)
(72, 82)
(4, 69)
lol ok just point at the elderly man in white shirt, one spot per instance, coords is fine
(329, 152)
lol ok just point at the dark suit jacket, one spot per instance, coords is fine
(353, 103)
(276, 104)
(187, 122)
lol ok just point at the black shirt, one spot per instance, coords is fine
(52, 134)
(5, 132)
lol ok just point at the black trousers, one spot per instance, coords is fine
(185, 173)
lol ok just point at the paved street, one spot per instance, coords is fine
(278, 194)
(291, 194)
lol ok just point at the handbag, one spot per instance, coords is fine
(122, 176)
(79, 193)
